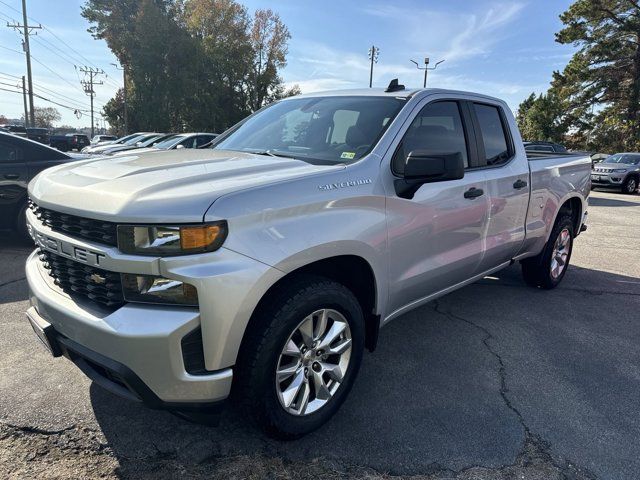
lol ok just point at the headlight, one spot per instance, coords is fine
(619, 170)
(171, 240)
(151, 289)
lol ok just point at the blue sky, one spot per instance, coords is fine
(505, 49)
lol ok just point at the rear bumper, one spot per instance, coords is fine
(139, 344)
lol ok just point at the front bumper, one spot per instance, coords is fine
(607, 179)
(139, 343)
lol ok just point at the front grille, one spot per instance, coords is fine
(75, 278)
(78, 227)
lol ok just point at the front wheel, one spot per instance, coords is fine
(547, 269)
(301, 357)
(630, 185)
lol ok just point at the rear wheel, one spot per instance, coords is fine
(301, 357)
(547, 269)
(630, 185)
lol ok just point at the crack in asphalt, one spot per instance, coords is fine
(38, 431)
(11, 282)
(532, 444)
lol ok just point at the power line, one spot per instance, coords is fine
(11, 49)
(74, 109)
(9, 75)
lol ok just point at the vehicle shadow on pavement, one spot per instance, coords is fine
(462, 381)
(611, 202)
(13, 253)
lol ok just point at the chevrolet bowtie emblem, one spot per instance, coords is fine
(96, 278)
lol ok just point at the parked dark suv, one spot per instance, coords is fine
(21, 160)
(549, 147)
(38, 134)
(70, 141)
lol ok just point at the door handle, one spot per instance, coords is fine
(11, 176)
(473, 192)
(519, 184)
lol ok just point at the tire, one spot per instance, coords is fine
(21, 224)
(262, 354)
(539, 271)
(630, 185)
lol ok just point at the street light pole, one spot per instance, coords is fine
(373, 56)
(426, 68)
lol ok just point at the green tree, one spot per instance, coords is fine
(268, 38)
(600, 86)
(191, 64)
(542, 118)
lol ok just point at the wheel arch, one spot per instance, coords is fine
(572, 205)
(352, 271)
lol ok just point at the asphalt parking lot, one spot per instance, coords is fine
(496, 380)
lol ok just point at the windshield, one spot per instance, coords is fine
(623, 158)
(169, 142)
(134, 140)
(323, 129)
(150, 141)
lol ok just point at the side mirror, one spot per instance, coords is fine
(422, 167)
(179, 146)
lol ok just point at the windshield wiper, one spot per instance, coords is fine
(271, 153)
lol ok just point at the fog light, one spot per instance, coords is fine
(152, 289)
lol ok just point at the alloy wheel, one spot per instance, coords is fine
(313, 362)
(560, 253)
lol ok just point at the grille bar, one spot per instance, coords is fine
(79, 227)
(101, 286)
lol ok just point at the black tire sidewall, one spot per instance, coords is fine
(625, 186)
(547, 280)
(318, 295)
(21, 223)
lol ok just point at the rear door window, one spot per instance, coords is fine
(493, 134)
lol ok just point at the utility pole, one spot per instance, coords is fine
(88, 86)
(26, 31)
(24, 99)
(373, 56)
(426, 68)
(124, 92)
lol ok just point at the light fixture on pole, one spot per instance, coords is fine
(426, 68)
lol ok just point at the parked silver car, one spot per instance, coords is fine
(270, 261)
(621, 170)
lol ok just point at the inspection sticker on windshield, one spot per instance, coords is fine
(348, 155)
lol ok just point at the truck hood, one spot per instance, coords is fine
(166, 187)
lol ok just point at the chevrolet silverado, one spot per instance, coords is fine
(260, 269)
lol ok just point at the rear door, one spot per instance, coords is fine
(507, 176)
(436, 238)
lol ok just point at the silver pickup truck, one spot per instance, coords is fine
(262, 268)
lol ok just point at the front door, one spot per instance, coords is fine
(13, 182)
(436, 238)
